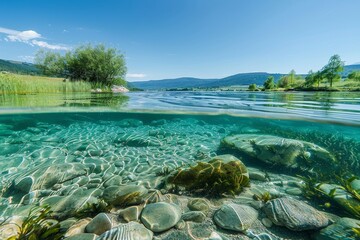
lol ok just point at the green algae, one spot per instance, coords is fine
(216, 177)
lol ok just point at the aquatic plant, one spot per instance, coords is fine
(37, 225)
(93, 209)
(264, 197)
(347, 185)
(357, 231)
(215, 177)
(163, 172)
(331, 199)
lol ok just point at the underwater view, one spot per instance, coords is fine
(180, 165)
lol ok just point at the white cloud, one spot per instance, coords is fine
(135, 75)
(30, 37)
(49, 46)
(23, 36)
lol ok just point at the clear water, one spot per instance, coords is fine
(138, 135)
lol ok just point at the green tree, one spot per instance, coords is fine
(314, 78)
(290, 80)
(252, 87)
(50, 63)
(355, 75)
(269, 83)
(310, 79)
(95, 64)
(331, 70)
(283, 82)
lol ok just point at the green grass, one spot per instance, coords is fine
(26, 84)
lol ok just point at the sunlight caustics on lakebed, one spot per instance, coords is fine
(76, 152)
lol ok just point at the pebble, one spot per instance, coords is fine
(129, 231)
(194, 216)
(235, 217)
(198, 204)
(294, 214)
(78, 227)
(160, 216)
(267, 222)
(83, 236)
(294, 191)
(131, 213)
(99, 224)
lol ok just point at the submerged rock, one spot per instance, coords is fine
(99, 224)
(10, 228)
(342, 229)
(194, 216)
(131, 213)
(199, 204)
(235, 217)
(83, 236)
(124, 195)
(222, 174)
(277, 150)
(129, 231)
(160, 216)
(294, 214)
(343, 198)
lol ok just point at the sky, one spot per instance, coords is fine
(188, 38)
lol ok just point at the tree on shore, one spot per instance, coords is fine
(355, 76)
(331, 70)
(252, 87)
(314, 78)
(95, 64)
(269, 83)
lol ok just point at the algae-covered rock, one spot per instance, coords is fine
(124, 195)
(222, 174)
(277, 150)
(342, 197)
(342, 229)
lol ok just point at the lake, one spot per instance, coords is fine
(75, 152)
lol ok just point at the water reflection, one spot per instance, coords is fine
(342, 107)
(64, 100)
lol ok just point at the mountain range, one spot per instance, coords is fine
(18, 67)
(238, 79)
(185, 82)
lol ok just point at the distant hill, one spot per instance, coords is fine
(350, 68)
(237, 79)
(18, 67)
(185, 82)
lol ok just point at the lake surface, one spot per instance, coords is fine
(68, 150)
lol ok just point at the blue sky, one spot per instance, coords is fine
(198, 38)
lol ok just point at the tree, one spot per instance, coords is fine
(355, 75)
(50, 63)
(289, 80)
(331, 70)
(269, 83)
(95, 64)
(252, 87)
(283, 82)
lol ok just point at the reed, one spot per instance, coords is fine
(26, 84)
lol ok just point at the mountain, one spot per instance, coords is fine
(238, 79)
(18, 67)
(350, 68)
(188, 82)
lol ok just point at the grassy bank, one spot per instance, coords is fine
(23, 84)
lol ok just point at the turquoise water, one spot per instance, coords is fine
(63, 150)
